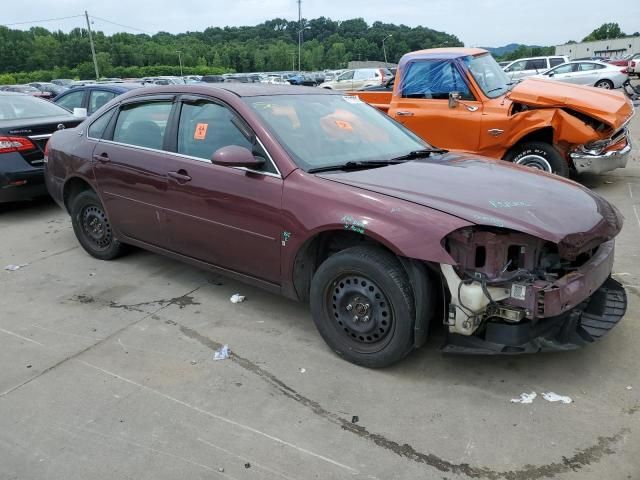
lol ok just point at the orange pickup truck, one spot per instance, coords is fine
(460, 99)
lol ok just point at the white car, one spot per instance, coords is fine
(634, 65)
(593, 73)
(358, 78)
(527, 67)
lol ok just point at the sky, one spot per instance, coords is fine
(488, 23)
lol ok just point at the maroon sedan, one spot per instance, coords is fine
(322, 198)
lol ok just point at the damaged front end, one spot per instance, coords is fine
(511, 292)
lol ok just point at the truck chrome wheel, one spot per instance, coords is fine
(535, 161)
(361, 309)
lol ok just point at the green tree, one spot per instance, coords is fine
(605, 32)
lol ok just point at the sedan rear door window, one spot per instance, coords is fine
(98, 98)
(143, 124)
(71, 100)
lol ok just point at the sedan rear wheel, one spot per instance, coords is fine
(92, 227)
(606, 84)
(363, 306)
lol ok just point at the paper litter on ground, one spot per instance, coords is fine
(237, 298)
(13, 268)
(222, 353)
(554, 397)
(525, 398)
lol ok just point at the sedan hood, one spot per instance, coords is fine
(606, 106)
(497, 194)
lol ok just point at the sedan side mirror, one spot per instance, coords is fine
(551, 74)
(235, 156)
(454, 99)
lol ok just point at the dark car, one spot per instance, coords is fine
(322, 198)
(212, 79)
(26, 123)
(92, 96)
(49, 90)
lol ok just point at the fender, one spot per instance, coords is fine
(407, 229)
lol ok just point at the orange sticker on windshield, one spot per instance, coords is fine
(201, 131)
(344, 125)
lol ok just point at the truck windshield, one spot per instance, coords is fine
(488, 74)
(323, 130)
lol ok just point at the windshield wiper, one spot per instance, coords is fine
(354, 165)
(418, 154)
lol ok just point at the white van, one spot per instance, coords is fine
(525, 67)
(359, 78)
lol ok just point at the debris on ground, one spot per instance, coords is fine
(525, 398)
(237, 298)
(222, 353)
(247, 465)
(302, 370)
(629, 387)
(193, 362)
(221, 469)
(355, 419)
(13, 268)
(29, 365)
(554, 397)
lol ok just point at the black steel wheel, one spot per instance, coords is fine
(92, 227)
(363, 306)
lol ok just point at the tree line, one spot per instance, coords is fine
(40, 54)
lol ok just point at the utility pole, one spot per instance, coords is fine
(385, 50)
(93, 48)
(293, 61)
(299, 33)
(180, 60)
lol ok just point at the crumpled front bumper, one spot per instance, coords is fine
(584, 324)
(590, 163)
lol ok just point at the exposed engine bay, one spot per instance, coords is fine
(510, 277)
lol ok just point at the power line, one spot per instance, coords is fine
(121, 25)
(41, 21)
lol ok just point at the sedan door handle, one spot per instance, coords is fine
(102, 158)
(403, 113)
(181, 176)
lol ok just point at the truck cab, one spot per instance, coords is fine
(460, 99)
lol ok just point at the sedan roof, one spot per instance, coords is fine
(239, 89)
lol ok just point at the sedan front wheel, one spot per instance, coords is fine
(363, 306)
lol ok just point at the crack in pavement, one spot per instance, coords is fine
(181, 301)
(580, 459)
(176, 300)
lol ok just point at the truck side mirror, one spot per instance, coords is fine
(454, 99)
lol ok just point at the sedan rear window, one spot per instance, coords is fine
(13, 107)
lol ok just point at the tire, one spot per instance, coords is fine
(92, 228)
(343, 290)
(541, 156)
(606, 84)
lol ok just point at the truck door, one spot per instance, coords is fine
(421, 103)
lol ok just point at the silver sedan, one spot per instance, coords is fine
(595, 74)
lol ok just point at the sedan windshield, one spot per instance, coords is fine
(488, 75)
(325, 130)
(13, 107)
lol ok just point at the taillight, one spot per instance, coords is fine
(624, 70)
(633, 64)
(46, 152)
(15, 144)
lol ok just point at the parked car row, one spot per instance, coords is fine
(315, 195)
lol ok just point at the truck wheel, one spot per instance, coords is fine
(92, 228)
(606, 84)
(539, 155)
(363, 306)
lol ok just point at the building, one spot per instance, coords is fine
(615, 47)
